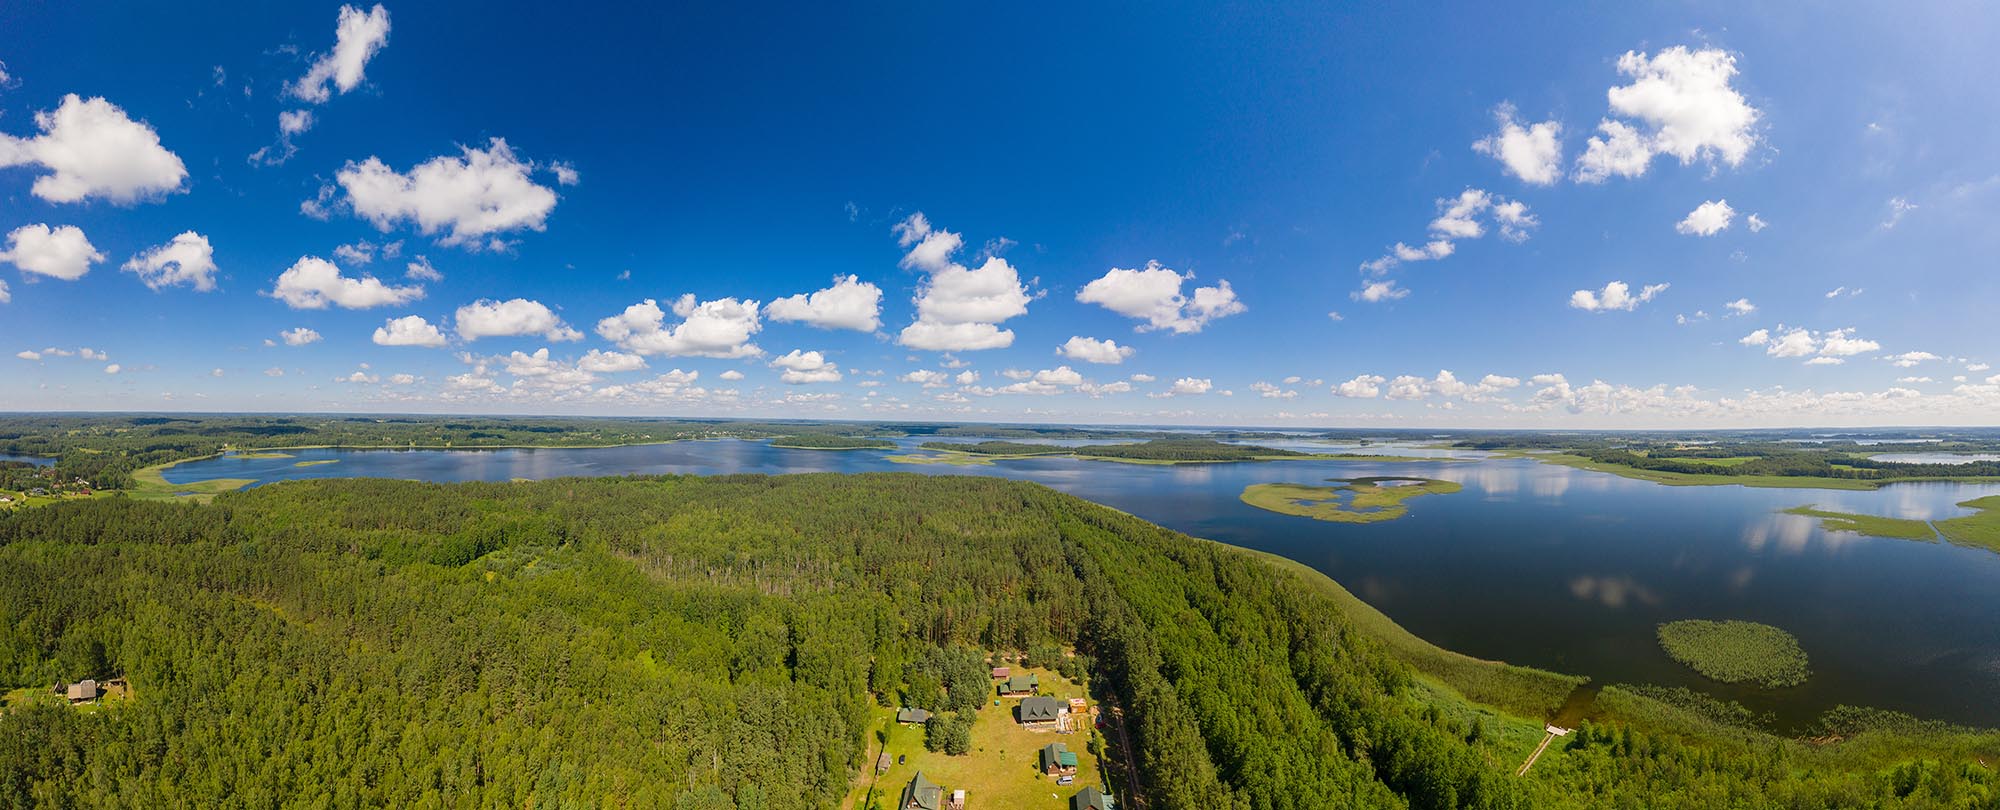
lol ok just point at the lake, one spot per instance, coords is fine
(1535, 564)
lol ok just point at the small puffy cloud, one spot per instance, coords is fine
(1153, 294)
(719, 328)
(1622, 151)
(1532, 153)
(1683, 100)
(315, 283)
(274, 371)
(1269, 391)
(849, 304)
(1756, 223)
(5, 296)
(114, 368)
(91, 149)
(299, 336)
(1910, 359)
(1092, 350)
(421, 270)
(1843, 343)
(469, 199)
(1378, 291)
(361, 252)
(1192, 385)
(805, 367)
(1707, 219)
(1142, 378)
(358, 36)
(360, 378)
(1060, 375)
(598, 361)
(1825, 348)
(511, 318)
(1740, 306)
(958, 308)
(1840, 291)
(294, 122)
(188, 259)
(731, 375)
(410, 330)
(60, 252)
(565, 173)
(1616, 295)
(1458, 216)
(927, 378)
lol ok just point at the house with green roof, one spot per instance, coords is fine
(1040, 713)
(1058, 760)
(1020, 685)
(922, 794)
(1090, 798)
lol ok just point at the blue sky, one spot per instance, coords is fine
(1200, 186)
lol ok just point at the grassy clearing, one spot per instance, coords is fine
(1002, 769)
(1368, 500)
(1872, 525)
(261, 454)
(954, 459)
(1737, 652)
(1524, 692)
(150, 484)
(317, 462)
(1981, 529)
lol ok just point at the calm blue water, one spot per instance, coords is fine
(1535, 564)
(39, 461)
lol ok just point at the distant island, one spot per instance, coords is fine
(1355, 500)
(828, 441)
(1154, 451)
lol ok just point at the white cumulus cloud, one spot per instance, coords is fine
(358, 35)
(60, 252)
(1616, 295)
(849, 304)
(188, 259)
(315, 283)
(91, 149)
(411, 330)
(805, 367)
(1532, 153)
(719, 328)
(958, 308)
(1092, 350)
(511, 318)
(468, 199)
(299, 336)
(1707, 219)
(1153, 294)
(1684, 101)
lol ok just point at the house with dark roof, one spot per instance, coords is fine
(1058, 760)
(1090, 798)
(909, 715)
(1001, 673)
(1042, 713)
(922, 794)
(1020, 685)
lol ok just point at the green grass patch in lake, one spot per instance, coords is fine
(1736, 651)
(1981, 529)
(1354, 500)
(316, 462)
(825, 441)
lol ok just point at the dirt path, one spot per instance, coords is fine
(1134, 797)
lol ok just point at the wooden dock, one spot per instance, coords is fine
(1553, 732)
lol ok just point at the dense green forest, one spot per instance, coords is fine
(999, 448)
(829, 441)
(705, 643)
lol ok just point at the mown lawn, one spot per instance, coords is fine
(1002, 771)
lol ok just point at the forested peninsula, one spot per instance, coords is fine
(716, 643)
